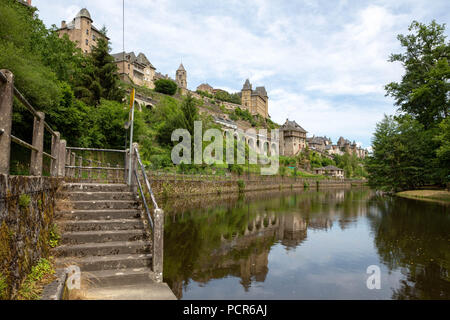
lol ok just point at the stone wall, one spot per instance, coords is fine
(169, 186)
(26, 217)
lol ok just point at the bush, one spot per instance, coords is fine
(166, 86)
(241, 185)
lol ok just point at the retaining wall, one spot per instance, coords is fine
(26, 216)
(169, 186)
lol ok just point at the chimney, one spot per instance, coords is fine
(63, 23)
(29, 2)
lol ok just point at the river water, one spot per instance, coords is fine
(307, 244)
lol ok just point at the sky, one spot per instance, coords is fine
(324, 63)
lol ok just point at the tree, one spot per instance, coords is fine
(166, 86)
(424, 89)
(403, 156)
(443, 151)
(105, 71)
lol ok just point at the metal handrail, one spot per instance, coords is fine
(141, 191)
(147, 183)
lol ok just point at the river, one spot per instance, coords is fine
(307, 244)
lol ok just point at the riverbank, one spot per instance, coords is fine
(179, 186)
(441, 196)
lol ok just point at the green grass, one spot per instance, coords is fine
(430, 195)
(40, 275)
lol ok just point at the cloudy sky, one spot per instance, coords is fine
(323, 63)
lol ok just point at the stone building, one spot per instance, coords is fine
(205, 87)
(82, 31)
(256, 101)
(181, 79)
(292, 138)
(136, 69)
(331, 171)
(345, 145)
(318, 143)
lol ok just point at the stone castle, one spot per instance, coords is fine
(139, 70)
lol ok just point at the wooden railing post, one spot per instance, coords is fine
(80, 170)
(158, 243)
(55, 153)
(38, 143)
(62, 158)
(90, 170)
(72, 164)
(6, 103)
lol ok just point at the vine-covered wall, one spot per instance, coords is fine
(26, 217)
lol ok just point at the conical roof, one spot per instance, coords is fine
(84, 13)
(181, 68)
(247, 85)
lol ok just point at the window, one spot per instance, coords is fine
(87, 31)
(93, 37)
(87, 41)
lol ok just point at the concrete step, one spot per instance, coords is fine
(144, 291)
(97, 195)
(108, 262)
(95, 187)
(79, 237)
(103, 249)
(104, 204)
(110, 214)
(116, 277)
(100, 225)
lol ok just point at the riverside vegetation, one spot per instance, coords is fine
(83, 98)
(412, 149)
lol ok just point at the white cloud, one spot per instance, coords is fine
(309, 55)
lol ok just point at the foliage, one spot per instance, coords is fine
(423, 91)
(166, 86)
(222, 95)
(239, 114)
(411, 150)
(55, 236)
(3, 287)
(106, 71)
(31, 287)
(403, 156)
(443, 151)
(24, 200)
(241, 185)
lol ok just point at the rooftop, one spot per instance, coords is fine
(292, 125)
(132, 58)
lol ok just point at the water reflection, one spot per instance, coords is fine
(311, 244)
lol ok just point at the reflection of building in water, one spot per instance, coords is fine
(321, 223)
(246, 254)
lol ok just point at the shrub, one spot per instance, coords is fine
(24, 200)
(166, 86)
(241, 185)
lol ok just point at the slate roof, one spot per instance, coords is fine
(84, 13)
(260, 91)
(140, 58)
(292, 125)
(247, 85)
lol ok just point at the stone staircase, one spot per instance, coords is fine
(104, 234)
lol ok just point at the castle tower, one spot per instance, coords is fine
(247, 96)
(181, 79)
(82, 31)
